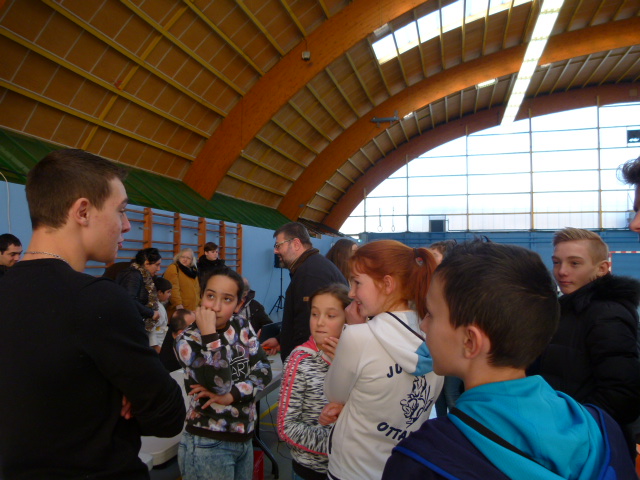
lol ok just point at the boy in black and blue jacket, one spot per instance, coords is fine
(491, 311)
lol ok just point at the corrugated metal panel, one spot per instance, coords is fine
(18, 154)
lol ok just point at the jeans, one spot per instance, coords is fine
(202, 458)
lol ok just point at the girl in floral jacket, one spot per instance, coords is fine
(225, 368)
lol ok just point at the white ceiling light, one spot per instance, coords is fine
(544, 24)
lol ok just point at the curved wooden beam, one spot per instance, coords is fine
(558, 102)
(327, 43)
(586, 41)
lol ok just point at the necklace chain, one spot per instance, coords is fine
(50, 254)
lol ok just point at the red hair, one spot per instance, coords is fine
(412, 268)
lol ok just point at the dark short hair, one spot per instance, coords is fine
(177, 321)
(507, 292)
(210, 247)
(444, 246)
(225, 272)
(151, 255)
(337, 290)
(293, 230)
(6, 240)
(64, 176)
(162, 284)
(631, 172)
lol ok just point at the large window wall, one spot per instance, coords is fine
(541, 173)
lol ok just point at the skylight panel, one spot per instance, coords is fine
(407, 37)
(385, 49)
(452, 16)
(429, 26)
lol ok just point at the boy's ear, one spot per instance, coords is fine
(604, 267)
(79, 211)
(475, 342)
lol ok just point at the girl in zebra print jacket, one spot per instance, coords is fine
(301, 395)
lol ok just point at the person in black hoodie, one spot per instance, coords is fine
(593, 355)
(210, 260)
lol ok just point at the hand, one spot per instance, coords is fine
(125, 411)
(201, 392)
(156, 315)
(206, 320)
(329, 347)
(352, 314)
(271, 346)
(330, 413)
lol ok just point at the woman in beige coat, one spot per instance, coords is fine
(183, 276)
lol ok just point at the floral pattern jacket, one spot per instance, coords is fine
(228, 361)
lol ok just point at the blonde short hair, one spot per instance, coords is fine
(176, 258)
(599, 249)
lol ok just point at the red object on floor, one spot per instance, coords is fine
(258, 465)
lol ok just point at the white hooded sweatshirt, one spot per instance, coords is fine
(382, 374)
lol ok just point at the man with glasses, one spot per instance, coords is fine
(309, 271)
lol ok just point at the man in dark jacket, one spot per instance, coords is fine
(209, 261)
(80, 383)
(593, 355)
(309, 271)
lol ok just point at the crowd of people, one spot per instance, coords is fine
(532, 384)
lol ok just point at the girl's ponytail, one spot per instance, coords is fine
(420, 278)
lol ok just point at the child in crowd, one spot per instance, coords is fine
(491, 310)
(180, 320)
(381, 372)
(158, 332)
(225, 368)
(301, 395)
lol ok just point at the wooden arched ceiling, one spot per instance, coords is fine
(215, 93)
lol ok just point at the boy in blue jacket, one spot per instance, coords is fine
(491, 311)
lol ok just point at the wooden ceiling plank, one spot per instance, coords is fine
(341, 91)
(98, 81)
(576, 74)
(560, 48)
(564, 69)
(333, 185)
(463, 32)
(375, 142)
(258, 163)
(138, 60)
(395, 145)
(461, 103)
(353, 164)
(446, 109)
(295, 137)
(506, 29)
(328, 109)
(282, 152)
(404, 131)
(345, 176)
(322, 195)
(573, 16)
(325, 10)
(420, 48)
(254, 184)
(182, 46)
(382, 77)
(440, 35)
(293, 18)
(594, 17)
(595, 69)
(485, 30)
(433, 125)
(631, 67)
(415, 118)
(223, 36)
(543, 81)
(317, 209)
(359, 77)
(476, 99)
(309, 121)
(612, 69)
(260, 27)
(90, 119)
(367, 156)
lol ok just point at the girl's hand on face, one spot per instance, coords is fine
(329, 347)
(330, 413)
(205, 320)
(353, 315)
